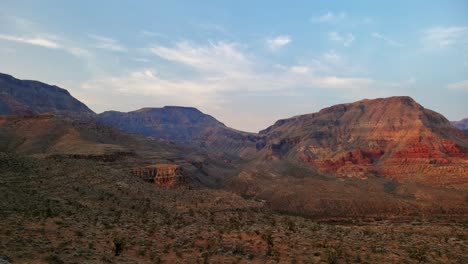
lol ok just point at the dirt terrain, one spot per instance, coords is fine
(53, 212)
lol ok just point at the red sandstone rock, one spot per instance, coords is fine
(164, 175)
(392, 137)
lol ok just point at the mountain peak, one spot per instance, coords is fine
(394, 137)
(186, 109)
(34, 97)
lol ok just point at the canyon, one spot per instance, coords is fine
(380, 156)
(372, 181)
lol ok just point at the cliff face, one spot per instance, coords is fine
(23, 97)
(163, 175)
(186, 125)
(392, 137)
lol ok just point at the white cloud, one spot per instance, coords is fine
(140, 59)
(332, 58)
(278, 42)
(345, 40)
(107, 43)
(388, 40)
(329, 17)
(47, 43)
(300, 69)
(346, 83)
(222, 67)
(221, 70)
(443, 37)
(459, 86)
(37, 41)
(148, 33)
(215, 57)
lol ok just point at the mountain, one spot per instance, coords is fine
(387, 156)
(391, 137)
(24, 97)
(49, 136)
(185, 125)
(462, 124)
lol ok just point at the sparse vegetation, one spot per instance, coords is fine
(77, 211)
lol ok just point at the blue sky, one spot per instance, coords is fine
(248, 63)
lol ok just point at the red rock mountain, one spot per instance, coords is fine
(388, 155)
(24, 97)
(391, 137)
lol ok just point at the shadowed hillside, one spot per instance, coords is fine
(49, 136)
(184, 125)
(462, 124)
(24, 97)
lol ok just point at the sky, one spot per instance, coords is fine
(247, 63)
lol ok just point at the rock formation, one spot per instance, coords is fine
(392, 137)
(164, 175)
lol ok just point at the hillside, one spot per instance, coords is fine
(392, 137)
(462, 124)
(24, 97)
(184, 125)
(386, 156)
(50, 136)
(78, 211)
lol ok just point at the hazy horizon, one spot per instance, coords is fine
(247, 64)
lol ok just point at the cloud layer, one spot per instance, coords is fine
(278, 42)
(37, 41)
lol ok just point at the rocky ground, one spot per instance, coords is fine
(76, 211)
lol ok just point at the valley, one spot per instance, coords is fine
(374, 181)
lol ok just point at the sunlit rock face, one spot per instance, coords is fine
(163, 175)
(391, 137)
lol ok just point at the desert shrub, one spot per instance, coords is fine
(5, 259)
(54, 259)
(291, 226)
(332, 256)
(390, 186)
(238, 249)
(418, 253)
(141, 252)
(118, 246)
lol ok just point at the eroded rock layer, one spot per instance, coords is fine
(392, 137)
(164, 175)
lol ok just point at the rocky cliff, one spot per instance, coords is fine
(163, 175)
(391, 137)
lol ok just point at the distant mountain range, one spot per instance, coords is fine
(23, 97)
(462, 124)
(185, 125)
(380, 155)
